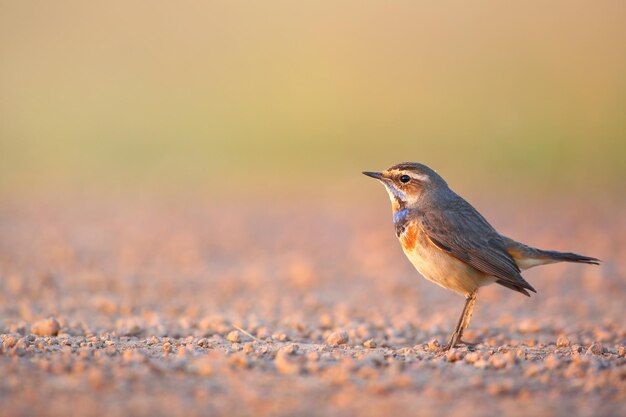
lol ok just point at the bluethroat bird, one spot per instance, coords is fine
(451, 244)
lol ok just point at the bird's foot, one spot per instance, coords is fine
(469, 344)
(457, 343)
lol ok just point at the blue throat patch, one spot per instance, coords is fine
(400, 215)
(400, 220)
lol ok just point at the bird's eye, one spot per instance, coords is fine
(405, 178)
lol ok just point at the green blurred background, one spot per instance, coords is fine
(153, 94)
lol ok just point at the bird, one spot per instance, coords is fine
(451, 244)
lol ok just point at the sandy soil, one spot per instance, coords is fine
(193, 308)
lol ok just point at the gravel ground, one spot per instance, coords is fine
(194, 308)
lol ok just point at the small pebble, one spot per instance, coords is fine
(562, 341)
(233, 336)
(9, 342)
(280, 337)
(595, 349)
(337, 338)
(454, 355)
(370, 344)
(47, 327)
(434, 345)
(472, 357)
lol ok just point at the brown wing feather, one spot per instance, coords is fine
(461, 231)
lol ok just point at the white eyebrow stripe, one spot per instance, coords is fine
(419, 177)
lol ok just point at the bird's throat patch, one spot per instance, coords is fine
(400, 220)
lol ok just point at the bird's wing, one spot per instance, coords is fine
(463, 233)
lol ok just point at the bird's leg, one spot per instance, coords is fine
(469, 310)
(464, 320)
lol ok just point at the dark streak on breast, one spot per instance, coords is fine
(400, 228)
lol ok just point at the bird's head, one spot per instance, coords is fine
(408, 183)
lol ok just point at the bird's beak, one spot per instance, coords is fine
(377, 175)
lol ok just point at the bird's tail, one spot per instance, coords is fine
(526, 257)
(568, 257)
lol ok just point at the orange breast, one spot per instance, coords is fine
(437, 265)
(408, 239)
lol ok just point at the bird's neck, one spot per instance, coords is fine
(400, 215)
(401, 218)
(397, 204)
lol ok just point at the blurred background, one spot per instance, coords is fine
(188, 95)
(170, 169)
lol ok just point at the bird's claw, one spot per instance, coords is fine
(469, 344)
(449, 346)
